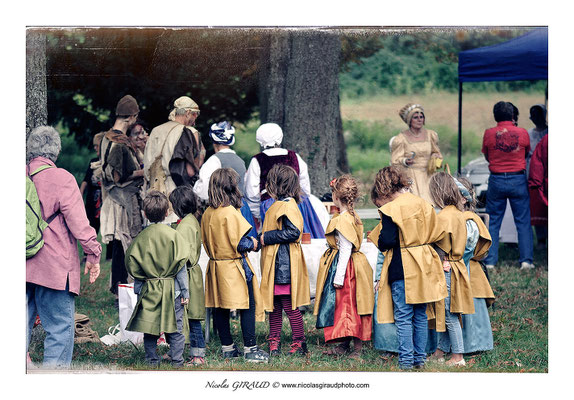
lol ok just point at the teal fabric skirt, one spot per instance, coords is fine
(326, 314)
(476, 329)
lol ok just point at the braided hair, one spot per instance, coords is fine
(346, 189)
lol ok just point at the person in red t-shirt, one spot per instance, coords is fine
(505, 147)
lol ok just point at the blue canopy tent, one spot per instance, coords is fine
(522, 58)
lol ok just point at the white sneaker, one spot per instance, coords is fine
(452, 363)
(489, 266)
(526, 265)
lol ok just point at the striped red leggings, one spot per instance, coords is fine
(280, 303)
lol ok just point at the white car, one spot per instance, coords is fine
(477, 173)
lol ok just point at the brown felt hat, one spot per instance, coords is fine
(127, 106)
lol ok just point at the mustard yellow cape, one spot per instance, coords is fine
(422, 268)
(345, 224)
(225, 283)
(478, 281)
(300, 292)
(453, 244)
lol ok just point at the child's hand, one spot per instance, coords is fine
(262, 243)
(446, 266)
(255, 243)
(184, 302)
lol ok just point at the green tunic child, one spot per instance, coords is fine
(191, 231)
(155, 256)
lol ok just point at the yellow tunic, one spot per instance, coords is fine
(423, 273)
(478, 281)
(225, 283)
(454, 243)
(300, 291)
(402, 149)
(346, 226)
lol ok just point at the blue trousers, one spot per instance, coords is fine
(450, 341)
(412, 327)
(515, 189)
(196, 339)
(56, 309)
(176, 340)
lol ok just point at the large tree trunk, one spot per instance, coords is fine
(36, 90)
(299, 90)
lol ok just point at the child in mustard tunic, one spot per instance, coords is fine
(284, 276)
(345, 300)
(412, 273)
(184, 203)
(476, 328)
(230, 281)
(447, 197)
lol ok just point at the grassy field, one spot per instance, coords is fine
(519, 321)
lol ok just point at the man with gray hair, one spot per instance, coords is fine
(53, 273)
(174, 152)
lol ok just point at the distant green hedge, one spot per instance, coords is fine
(406, 64)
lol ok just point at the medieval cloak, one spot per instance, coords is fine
(347, 311)
(300, 289)
(191, 231)
(478, 281)
(345, 224)
(422, 267)
(225, 283)
(155, 256)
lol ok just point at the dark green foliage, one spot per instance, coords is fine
(73, 157)
(89, 70)
(423, 60)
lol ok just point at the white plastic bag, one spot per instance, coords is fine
(113, 337)
(127, 302)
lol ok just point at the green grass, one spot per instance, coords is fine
(519, 320)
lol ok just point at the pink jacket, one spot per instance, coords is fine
(58, 260)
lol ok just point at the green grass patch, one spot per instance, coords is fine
(519, 320)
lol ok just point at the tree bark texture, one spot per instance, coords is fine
(299, 90)
(36, 90)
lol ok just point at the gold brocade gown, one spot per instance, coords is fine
(402, 149)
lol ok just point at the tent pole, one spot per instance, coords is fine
(459, 126)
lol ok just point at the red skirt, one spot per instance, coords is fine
(348, 322)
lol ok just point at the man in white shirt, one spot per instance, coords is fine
(270, 136)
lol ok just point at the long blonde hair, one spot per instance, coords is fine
(444, 191)
(346, 189)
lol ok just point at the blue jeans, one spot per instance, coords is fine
(515, 189)
(451, 340)
(56, 309)
(196, 339)
(412, 326)
(176, 340)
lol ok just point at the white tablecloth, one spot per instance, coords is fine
(312, 253)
